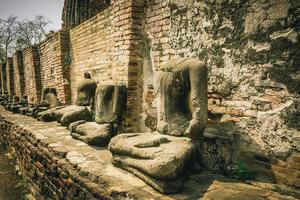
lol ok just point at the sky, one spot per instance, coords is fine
(27, 9)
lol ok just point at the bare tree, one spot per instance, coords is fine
(41, 24)
(26, 35)
(7, 35)
(16, 35)
(31, 32)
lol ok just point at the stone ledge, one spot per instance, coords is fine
(58, 167)
(61, 161)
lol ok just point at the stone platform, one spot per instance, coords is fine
(56, 166)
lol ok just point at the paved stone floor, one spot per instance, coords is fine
(94, 163)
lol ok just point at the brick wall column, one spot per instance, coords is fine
(10, 77)
(135, 65)
(3, 77)
(126, 55)
(32, 74)
(19, 74)
(55, 72)
(66, 75)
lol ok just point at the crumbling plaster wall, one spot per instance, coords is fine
(252, 51)
(251, 48)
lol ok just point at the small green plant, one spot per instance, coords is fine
(242, 172)
(67, 60)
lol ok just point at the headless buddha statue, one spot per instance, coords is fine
(80, 111)
(26, 110)
(1, 96)
(163, 158)
(15, 108)
(4, 98)
(9, 100)
(49, 101)
(15, 100)
(107, 109)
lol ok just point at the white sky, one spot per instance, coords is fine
(27, 9)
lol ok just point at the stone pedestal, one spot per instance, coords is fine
(159, 160)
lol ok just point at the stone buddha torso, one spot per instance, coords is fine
(107, 110)
(108, 103)
(86, 91)
(182, 98)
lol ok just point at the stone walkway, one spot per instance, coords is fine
(94, 163)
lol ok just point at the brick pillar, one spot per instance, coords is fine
(127, 55)
(10, 77)
(135, 65)
(65, 49)
(19, 74)
(32, 74)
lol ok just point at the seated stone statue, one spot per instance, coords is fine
(1, 96)
(15, 108)
(81, 110)
(14, 101)
(5, 99)
(8, 102)
(49, 101)
(107, 109)
(163, 158)
(27, 109)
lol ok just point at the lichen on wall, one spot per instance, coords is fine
(251, 49)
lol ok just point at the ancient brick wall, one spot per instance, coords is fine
(54, 67)
(32, 74)
(105, 46)
(19, 81)
(10, 77)
(89, 48)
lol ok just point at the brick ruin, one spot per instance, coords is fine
(251, 49)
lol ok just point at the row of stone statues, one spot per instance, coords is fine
(161, 158)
